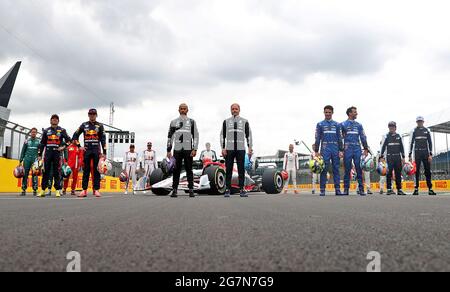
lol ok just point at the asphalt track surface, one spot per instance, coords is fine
(268, 233)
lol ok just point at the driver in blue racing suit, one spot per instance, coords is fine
(354, 135)
(329, 144)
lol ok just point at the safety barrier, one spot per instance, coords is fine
(10, 184)
(438, 185)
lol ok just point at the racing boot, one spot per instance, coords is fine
(361, 192)
(174, 194)
(416, 192)
(401, 193)
(191, 194)
(345, 193)
(83, 194)
(41, 194)
(97, 194)
(369, 192)
(431, 193)
(23, 194)
(381, 192)
(244, 194)
(227, 193)
(58, 194)
(313, 192)
(64, 192)
(390, 193)
(73, 193)
(34, 193)
(338, 193)
(322, 193)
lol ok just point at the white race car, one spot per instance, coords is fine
(211, 180)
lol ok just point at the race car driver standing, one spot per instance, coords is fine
(54, 141)
(422, 146)
(290, 165)
(75, 162)
(94, 149)
(235, 132)
(130, 164)
(208, 153)
(329, 144)
(354, 136)
(183, 139)
(28, 156)
(395, 153)
(149, 161)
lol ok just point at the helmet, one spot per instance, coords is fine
(66, 171)
(19, 172)
(104, 166)
(382, 169)
(37, 167)
(367, 163)
(123, 177)
(409, 169)
(285, 175)
(168, 165)
(317, 165)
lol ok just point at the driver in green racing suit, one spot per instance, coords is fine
(28, 156)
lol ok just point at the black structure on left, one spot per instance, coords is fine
(7, 85)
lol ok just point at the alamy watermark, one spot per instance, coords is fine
(374, 265)
(74, 265)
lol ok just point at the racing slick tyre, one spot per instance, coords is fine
(156, 177)
(216, 176)
(272, 181)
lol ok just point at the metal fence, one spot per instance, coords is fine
(12, 138)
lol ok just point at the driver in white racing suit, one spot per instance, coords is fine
(291, 167)
(130, 164)
(208, 153)
(149, 161)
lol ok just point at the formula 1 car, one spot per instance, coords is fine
(210, 179)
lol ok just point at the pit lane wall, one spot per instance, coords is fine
(9, 184)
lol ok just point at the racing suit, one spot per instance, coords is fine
(75, 162)
(130, 163)
(422, 145)
(395, 152)
(211, 154)
(367, 181)
(94, 135)
(291, 166)
(52, 139)
(28, 156)
(149, 162)
(235, 131)
(328, 135)
(183, 138)
(354, 135)
(315, 181)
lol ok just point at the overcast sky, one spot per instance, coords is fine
(283, 61)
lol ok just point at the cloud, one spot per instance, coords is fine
(94, 52)
(282, 60)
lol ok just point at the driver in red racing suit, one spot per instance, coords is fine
(75, 161)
